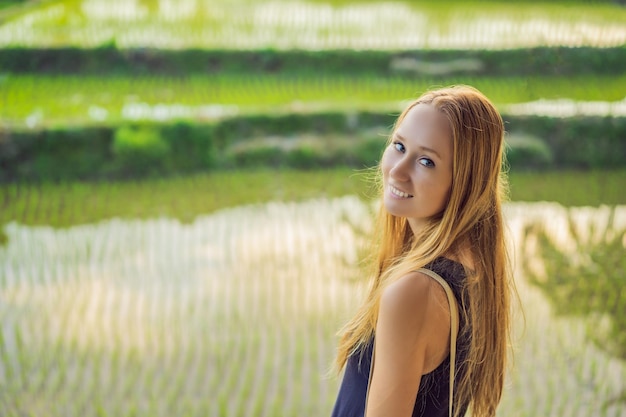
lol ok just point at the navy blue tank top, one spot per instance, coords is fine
(433, 394)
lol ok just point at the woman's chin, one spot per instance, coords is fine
(391, 205)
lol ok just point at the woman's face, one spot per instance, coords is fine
(417, 166)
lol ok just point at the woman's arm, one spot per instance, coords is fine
(412, 338)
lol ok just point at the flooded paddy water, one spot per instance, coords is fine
(235, 314)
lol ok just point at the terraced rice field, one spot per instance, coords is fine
(235, 315)
(41, 101)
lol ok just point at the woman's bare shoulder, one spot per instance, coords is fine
(415, 292)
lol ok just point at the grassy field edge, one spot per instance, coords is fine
(186, 197)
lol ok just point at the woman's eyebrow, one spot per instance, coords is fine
(424, 148)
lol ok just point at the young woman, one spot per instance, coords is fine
(442, 187)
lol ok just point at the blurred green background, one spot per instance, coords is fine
(186, 194)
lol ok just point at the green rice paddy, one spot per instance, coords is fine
(249, 24)
(40, 100)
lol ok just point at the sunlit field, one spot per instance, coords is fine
(43, 100)
(235, 314)
(283, 24)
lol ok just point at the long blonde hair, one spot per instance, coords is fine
(472, 221)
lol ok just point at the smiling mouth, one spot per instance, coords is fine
(399, 193)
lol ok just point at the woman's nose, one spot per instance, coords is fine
(399, 170)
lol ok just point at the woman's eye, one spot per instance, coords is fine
(427, 162)
(399, 147)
